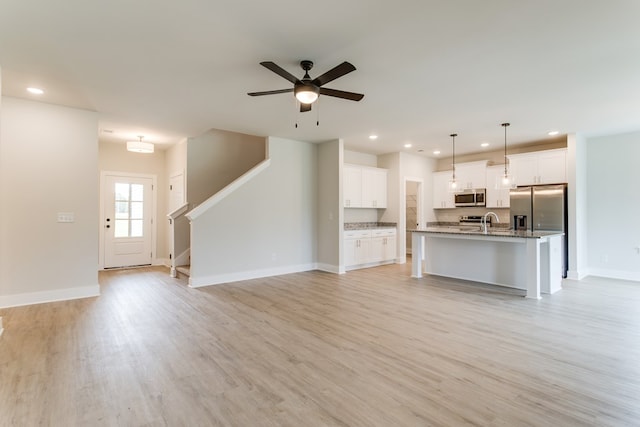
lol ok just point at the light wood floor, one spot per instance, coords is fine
(370, 348)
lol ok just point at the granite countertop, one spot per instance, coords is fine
(368, 225)
(494, 232)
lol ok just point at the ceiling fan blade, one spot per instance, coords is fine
(305, 107)
(280, 71)
(270, 92)
(334, 73)
(341, 94)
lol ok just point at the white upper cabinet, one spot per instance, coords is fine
(352, 191)
(471, 175)
(364, 187)
(541, 167)
(374, 188)
(496, 198)
(442, 197)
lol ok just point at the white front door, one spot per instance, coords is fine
(128, 204)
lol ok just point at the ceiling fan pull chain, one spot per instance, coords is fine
(318, 112)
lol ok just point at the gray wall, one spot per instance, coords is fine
(266, 227)
(330, 211)
(48, 164)
(217, 158)
(613, 204)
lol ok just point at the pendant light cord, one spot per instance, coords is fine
(453, 137)
(504, 125)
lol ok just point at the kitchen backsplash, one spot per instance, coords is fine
(453, 215)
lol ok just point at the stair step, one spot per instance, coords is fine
(184, 269)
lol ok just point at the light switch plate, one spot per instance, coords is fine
(66, 217)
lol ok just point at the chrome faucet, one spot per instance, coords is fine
(483, 222)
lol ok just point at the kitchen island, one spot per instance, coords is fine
(531, 261)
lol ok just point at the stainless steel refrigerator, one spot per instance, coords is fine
(541, 208)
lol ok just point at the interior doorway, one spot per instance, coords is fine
(127, 219)
(413, 212)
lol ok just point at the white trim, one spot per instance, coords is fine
(329, 268)
(176, 213)
(576, 275)
(197, 282)
(615, 274)
(222, 194)
(42, 297)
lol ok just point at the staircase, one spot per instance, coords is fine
(184, 269)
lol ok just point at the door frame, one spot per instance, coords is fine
(154, 210)
(402, 220)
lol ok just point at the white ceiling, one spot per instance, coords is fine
(171, 69)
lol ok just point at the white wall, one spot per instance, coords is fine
(578, 209)
(48, 164)
(114, 157)
(266, 227)
(613, 184)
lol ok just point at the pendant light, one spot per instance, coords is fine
(453, 184)
(505, 181)
(140, 146)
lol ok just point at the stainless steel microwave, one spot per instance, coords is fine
(475, 197)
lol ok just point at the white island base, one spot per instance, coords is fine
(532, 263)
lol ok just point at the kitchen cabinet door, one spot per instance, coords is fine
(352, 191)
(496, 198)
(540, 167)
(374, 188)
(442, 197)
(356, 247)
(383, 245)
(552, 167)
(525, 168)
(471, 175)
(390, 248)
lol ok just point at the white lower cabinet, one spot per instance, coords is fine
(365, 248)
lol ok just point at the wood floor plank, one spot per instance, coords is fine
(372, 347)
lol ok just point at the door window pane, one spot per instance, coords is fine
(122, 191)
(136, 228)
(136, 210)
(129, 214)
(122, 228)
(137, 192)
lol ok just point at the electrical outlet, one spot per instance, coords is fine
(274, 257)
(605, 259)
(637, 248)
(66, 217)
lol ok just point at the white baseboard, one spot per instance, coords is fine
(615, 274)
(197, 282)
(577, 274)
(330, 268)
(42, 297)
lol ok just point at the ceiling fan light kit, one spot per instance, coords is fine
(307, 90)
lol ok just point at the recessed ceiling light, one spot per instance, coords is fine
(484, 144)
(436, 152)
(35, 90)
(372, 137)
(553, 133)
(407, 145)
